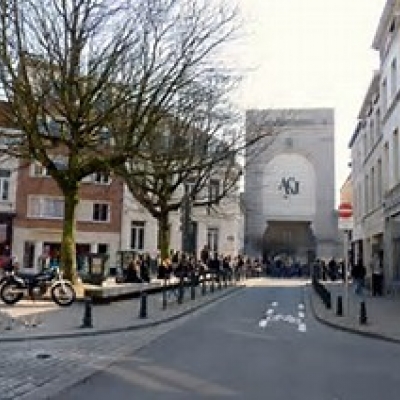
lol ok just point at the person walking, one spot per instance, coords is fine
(358, 274)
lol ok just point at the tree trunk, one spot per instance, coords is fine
(68, 248)
(163, 234)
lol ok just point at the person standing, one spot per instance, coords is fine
(358, 274)
(377, 275)
(205, 255)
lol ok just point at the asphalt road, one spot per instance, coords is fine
(257, 344)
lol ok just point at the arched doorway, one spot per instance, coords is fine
(292, 239)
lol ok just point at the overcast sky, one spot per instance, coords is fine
(311, 53)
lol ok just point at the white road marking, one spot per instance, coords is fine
(302, 327)
(271, 316)
(262, 323)
(291, 319)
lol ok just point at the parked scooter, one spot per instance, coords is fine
(16, 285)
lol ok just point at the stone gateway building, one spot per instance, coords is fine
(290, 185)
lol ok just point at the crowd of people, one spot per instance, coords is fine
(181, 265)
(142, 267)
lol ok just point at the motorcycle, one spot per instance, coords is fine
(16, 285)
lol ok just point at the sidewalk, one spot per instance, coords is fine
(29, 320)
(383, 313)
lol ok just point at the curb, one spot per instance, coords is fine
(128, 328)
(354, 331)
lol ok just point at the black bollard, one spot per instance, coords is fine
(181, 290)
(328, 300)
(363, 313)
(339, 306)
(212, 283)
(164, 296)
(219, 280)
(87, 321)
(192, 286)
(143, 305)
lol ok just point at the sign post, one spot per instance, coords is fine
(346, 225)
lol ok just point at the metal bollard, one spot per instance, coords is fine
(219, 281)
(192, 286)
(363, 313)
(164, 296)
(328, 300)
(143, 305)
(212, 283)
(87, 321)
(339, 306)
(181, 290)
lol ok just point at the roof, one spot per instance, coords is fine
(373, 89)
(387, 12)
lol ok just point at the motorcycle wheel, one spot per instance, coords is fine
(63, 295)
(9, 293)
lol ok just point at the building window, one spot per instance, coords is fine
(101, 178)
(105, 136)
(379, 182)
(384, 95)
(137, 235)
(101, 212)
(213, 192)
(365, 146)
(28, 260)
(102, 248)
(378, 124)
(372, 187)
(372, 133)
(5, 175)
(212, 239)
(189, 187)
(45, 207)
(393, 78)
(395, 157)
(386, 168)
(366, 194)
(38, 170)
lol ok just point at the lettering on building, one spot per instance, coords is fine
(289, 186)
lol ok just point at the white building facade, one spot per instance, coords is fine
(219, 227)
(290, 186)
(368, 166)
(375, 156)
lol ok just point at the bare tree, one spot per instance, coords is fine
(193, 160)
(90, 79)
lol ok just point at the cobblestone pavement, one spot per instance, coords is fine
(37, 370)
(43, 319)
(33, 369)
